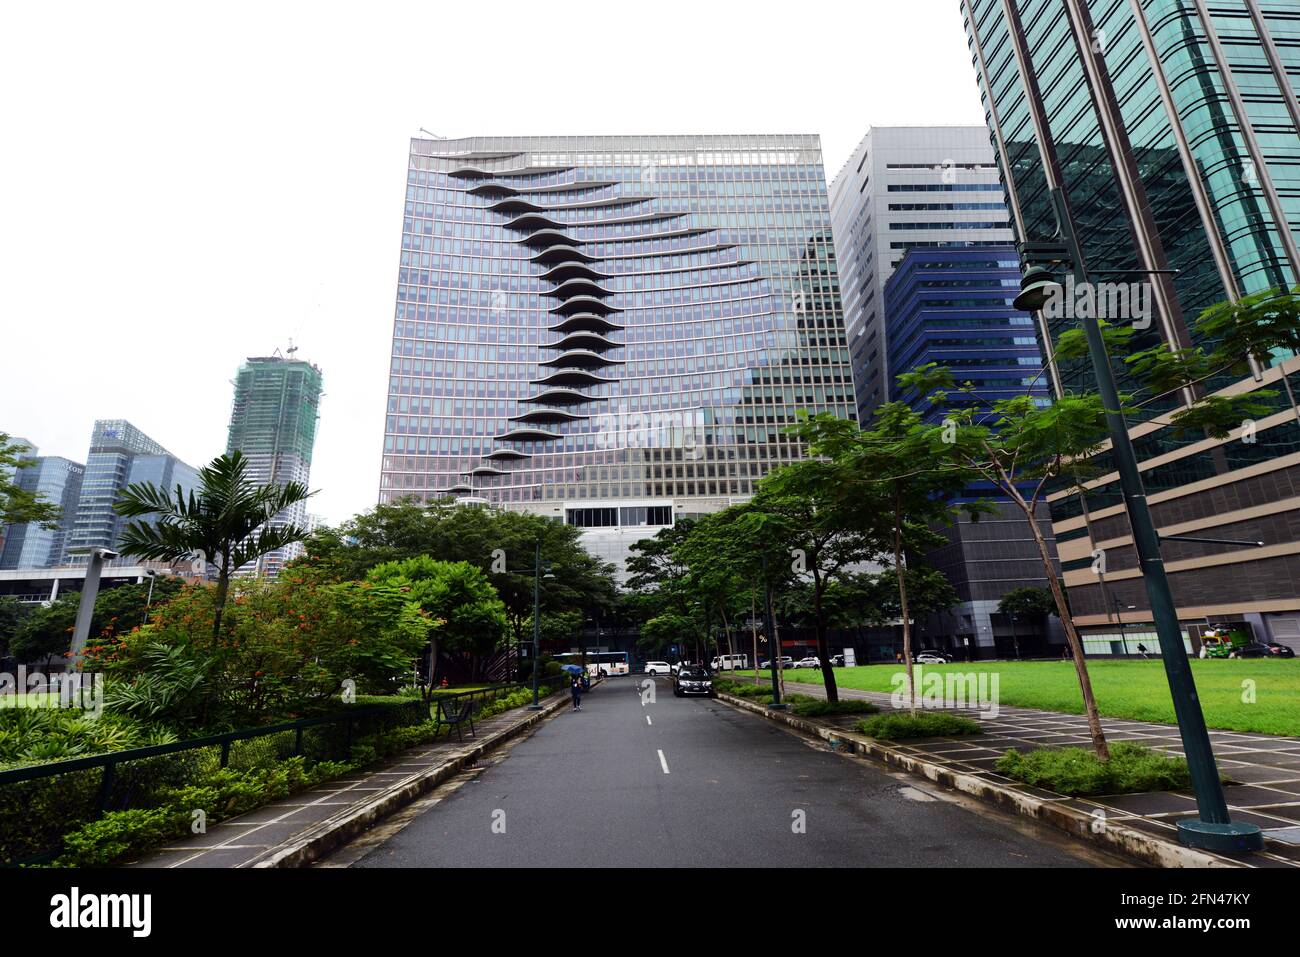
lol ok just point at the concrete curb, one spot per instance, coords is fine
(330, 834)
(1115, 838)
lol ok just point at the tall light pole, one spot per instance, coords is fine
(538, 569)
(1214, 829)
(773, 646)
(89, 592)
(148, 600)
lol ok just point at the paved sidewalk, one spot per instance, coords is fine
(1267, 767)
(251, 839)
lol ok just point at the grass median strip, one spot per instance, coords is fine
(1252, 695)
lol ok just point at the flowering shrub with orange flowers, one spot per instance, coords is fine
(286, 649)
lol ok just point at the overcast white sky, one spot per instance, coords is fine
(184, 185)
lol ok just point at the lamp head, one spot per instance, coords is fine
(1036, 287)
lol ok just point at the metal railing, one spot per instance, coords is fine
(40, 803)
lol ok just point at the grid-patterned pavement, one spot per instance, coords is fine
(1265, 767)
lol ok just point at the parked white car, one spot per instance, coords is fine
(812, 661)
(929, 658)
(656, 668)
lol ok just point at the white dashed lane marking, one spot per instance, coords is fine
(663, 762)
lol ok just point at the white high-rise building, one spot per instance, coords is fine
(904, 187)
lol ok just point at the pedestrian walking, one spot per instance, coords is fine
(575, 689)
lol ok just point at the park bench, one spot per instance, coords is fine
(455, 713)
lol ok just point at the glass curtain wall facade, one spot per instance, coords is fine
(613, 331)
(53, 479)
(1171, 128)
(273, 423)
(953, 306)
(914, 187)
(120, 455)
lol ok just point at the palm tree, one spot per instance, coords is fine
(227, 523)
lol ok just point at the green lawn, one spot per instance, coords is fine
(1125, 689)
(27, 699)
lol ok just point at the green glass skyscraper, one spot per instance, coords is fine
(273, 423)
(1169, 128)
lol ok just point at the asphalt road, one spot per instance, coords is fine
(695, 783)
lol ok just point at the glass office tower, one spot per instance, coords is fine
(906, 187)
(952, 305)
(1171, 127)
(53, 479)
(273, 423)
(120, 455)
(611, 331)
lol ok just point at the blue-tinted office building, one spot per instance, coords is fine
(953, 306)
(120, 455)
(53, 479)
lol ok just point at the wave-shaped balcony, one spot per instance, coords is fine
(561, 254)
(505, 455)
(515, 204)
(572, 270)
(548, 237)
(559, 397)
(473, 172)
(527, 434)
(538, 416)
(487, 470)
(572, 377)
(536, 221)
(581, 359)
(577, 287)
(586, 322)
(576, 304)
(585, 340)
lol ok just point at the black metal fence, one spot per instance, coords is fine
(41, 803)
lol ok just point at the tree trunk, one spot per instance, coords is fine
(223, 589)
(1071, 635)
(899, 571)
(776, 657)
(823, 645)
(753, 628)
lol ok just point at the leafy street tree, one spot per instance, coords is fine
(822, 533)
(45, 632)
(928, 592)
(19, 506)
(500, 543)
(468, 618)
(228, 522)
(12, 613)
(1026, 602)
(893, 486)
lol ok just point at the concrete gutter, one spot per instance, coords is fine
(332, 833)
(1115, 838)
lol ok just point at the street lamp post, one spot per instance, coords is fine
(89, 592)
(773, 646)
(148, 600)
(1214, 829)
(537, 617)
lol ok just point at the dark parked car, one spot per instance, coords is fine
(693, 679)
(1258, 649)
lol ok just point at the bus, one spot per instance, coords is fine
(729, 662)
(599, 663)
